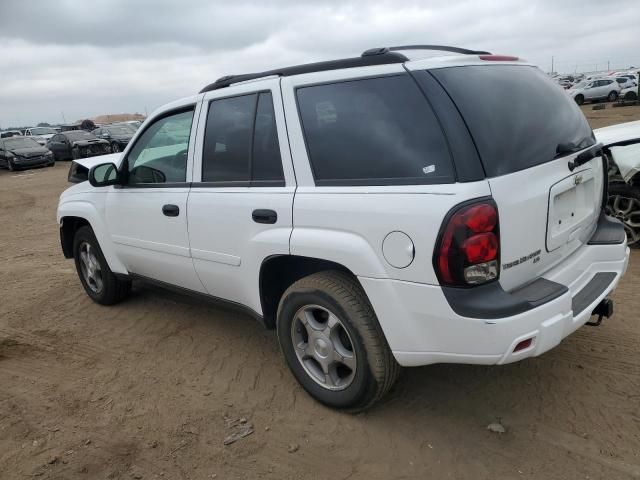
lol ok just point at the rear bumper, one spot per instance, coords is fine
(422, 328)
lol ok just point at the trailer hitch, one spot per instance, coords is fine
(603, 309)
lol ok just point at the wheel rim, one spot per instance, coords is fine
(612, 96)
(323, 347)
(90, 267)
(627, 210)
(115, 148)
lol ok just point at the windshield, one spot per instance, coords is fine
(43, 131)
(20, 142)
(517, 116)
(80, 135)
(119, 130)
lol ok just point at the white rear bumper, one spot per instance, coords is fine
(422, 328)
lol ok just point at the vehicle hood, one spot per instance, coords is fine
(93, 161)
(29, 152)
(46, 136)
(623, 141)
(122, 138)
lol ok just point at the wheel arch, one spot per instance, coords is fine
(75, 214)
(279, 272)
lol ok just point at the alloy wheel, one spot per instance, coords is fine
(323, 347)
(90, 267)
(627, 210)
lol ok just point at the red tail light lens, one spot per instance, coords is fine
(468, 246)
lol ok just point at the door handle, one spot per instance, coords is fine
(171, 210)
(264, 216)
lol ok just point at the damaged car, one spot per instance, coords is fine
(23, 152)
(77, 144)
(622, 150)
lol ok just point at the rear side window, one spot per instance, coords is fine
(241, 142)
(375, 131)
(516, 115)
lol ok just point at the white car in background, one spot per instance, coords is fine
(629, 93)
(598, 89)
(40, 134)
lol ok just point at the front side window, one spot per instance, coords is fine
(160, 153)
(241, 141)
(375, 131)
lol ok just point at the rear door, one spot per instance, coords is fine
(534, 130)
(240, 205)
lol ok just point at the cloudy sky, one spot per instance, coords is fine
(87, 58)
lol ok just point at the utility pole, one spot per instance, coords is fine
(552, 70)
(64, 120)
(608, 68)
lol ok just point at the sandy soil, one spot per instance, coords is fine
(148, 388)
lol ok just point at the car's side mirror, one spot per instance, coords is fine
(103, 175)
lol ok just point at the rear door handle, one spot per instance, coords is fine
(264, 216)
(171, 210)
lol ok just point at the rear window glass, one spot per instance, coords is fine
(517, 116)
(374, 131)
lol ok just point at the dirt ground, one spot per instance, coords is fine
(147, 389)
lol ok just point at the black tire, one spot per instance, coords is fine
(53, 162)
(113, 289)
(579, 99)
(10, 166)
(630, 96)
(613, 96)
(628, 193)
(339, 293)
(115, 148)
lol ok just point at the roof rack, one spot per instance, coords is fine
(373, 56)
(442, 48)
(383, 58)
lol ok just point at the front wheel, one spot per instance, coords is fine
(579, 99)
(10, 165)
(115, 148)
(333, 343)
(612, 96)
(624, 204)
(95, 275)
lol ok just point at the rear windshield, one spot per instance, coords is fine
(517, 116)
(374, 131)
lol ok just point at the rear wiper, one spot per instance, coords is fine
(585, 156)
(564, 149)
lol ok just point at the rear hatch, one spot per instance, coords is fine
(527, 131)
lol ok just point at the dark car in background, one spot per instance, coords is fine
(23, 152)
(77, 144)
(118, 136)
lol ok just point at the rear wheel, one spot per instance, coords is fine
(115, 148)
(630, 96)
(332, 342)
(10, 165)
(95, 275)
(624, 204)
(579, 99)
(612, 96)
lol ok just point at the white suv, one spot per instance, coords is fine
(377, 211)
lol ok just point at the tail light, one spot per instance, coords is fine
(468, 248)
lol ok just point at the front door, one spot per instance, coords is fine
(147, 217)
(240, 205)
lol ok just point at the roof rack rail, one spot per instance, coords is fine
(383, 58)
(442, 48)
